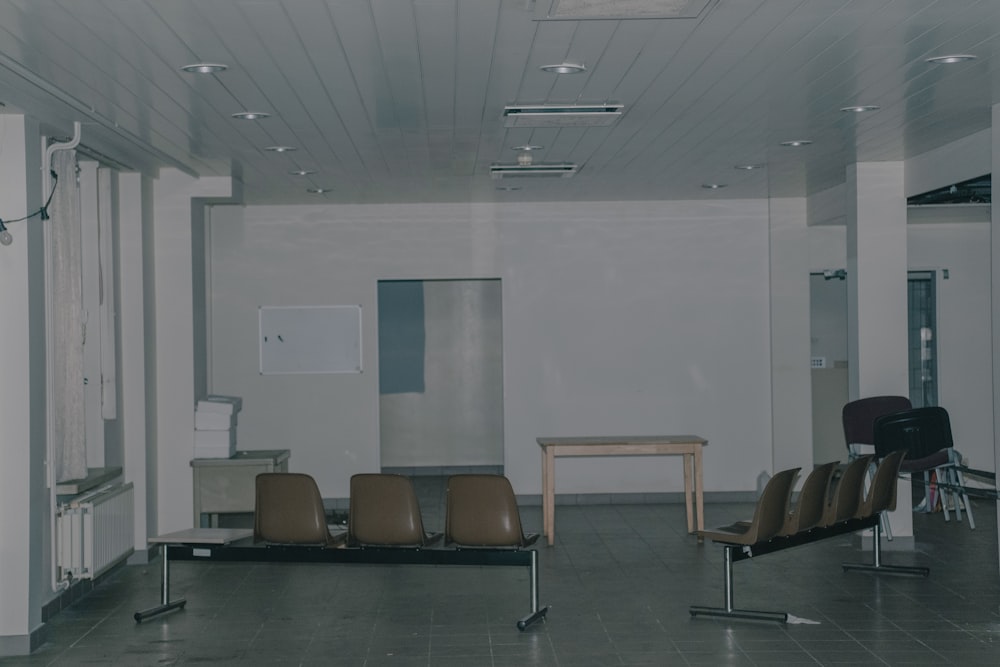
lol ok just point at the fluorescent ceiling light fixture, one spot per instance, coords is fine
(713, 186)
(952, 59)
(557, 169)
(280, 149)
(625, 9)
(564, 68)
(527, 147)
(318, 191)
(251, 115)
(561, 115)
(795, 143)
(205, 68)
(748, 167)
(861, 108)
(302, 172)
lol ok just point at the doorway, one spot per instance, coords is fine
(440, 376)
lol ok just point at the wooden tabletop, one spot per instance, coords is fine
(624, 440)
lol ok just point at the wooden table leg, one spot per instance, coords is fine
(699, 491)
(548, 495)
(688, 491)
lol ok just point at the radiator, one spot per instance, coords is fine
(95, 532)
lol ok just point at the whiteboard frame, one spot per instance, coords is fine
(341, 325)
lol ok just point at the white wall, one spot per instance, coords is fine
(24, 554)
(643, 317)
(173, 329)
(963, 329)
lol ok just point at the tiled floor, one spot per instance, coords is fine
(619, 579)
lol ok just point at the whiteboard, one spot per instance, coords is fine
(310, 339)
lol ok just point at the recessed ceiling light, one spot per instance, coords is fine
(564, 68)
(301, 172)
(748, 167)
(280, 149)
(205, 68)
(952, 59)
(861, 108)
(795, 143)
(318, 191)
(713, 186)
(251, 115)
(527, 147)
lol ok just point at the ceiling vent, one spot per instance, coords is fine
(558, 115)
(560, 169)
(627, 9)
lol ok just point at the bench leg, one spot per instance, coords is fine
(729, 611)
(165, 603)
(536, 611)
(877, 566)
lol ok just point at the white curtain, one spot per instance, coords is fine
(67, 325)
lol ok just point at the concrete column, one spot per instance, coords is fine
(876, 297)
(25, 555)
(173, 325)
(791, 389)
(132, 337)
(995, 293)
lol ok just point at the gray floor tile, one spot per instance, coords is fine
(620, 580)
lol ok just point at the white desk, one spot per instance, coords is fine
(688, 446)
(227, 485)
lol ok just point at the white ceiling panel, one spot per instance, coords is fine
(402, 100)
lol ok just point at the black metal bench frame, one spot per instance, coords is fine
(733, 553)
(370, 555)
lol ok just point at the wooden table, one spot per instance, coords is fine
(688, 446)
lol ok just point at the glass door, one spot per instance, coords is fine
(922, 343)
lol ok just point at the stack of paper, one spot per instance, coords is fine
(215, 426)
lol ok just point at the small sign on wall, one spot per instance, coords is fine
(310, 339)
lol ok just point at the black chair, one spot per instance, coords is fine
(925, 435)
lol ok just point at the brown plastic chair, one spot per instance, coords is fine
(881, 495)
(481, 511)
(384, 512)
(882, 498)
(768, 519)
(288, 509)
(811, 506)
(847, 492)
